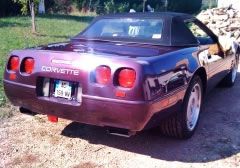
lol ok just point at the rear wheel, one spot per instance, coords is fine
(183, 124)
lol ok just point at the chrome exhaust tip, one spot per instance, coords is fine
(120, 132)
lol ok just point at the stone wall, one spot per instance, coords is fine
(226, 3)
(222, 21)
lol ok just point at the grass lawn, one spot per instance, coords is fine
(15, 33)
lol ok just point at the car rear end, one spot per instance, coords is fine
(87, 88)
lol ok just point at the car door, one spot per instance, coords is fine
(210, 53)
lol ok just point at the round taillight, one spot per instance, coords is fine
(28, 65)
(127, 77)
(103, 74)
(13, 64)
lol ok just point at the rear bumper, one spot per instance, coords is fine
(131, 115)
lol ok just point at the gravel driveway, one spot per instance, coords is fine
(27, 141)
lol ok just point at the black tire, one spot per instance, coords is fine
(230, 79)
(176, 125)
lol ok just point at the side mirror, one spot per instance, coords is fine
(215, 49)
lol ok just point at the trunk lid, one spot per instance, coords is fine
(114, 48)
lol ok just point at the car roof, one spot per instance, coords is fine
(174, 33)
(163, 15)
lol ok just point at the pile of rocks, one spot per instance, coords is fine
(222, 21)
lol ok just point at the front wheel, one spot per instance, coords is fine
(183, 124)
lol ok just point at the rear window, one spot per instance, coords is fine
(126, 28)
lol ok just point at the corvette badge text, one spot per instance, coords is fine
(60, 70)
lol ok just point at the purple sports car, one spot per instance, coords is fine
(124, 72)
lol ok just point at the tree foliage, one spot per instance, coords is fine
(106, 6)
(59, 6)
(25, 5)
(32, 5)
(185, 6)
(114, 6)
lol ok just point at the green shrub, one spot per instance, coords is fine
(123, 7)
(61, 6)
(109, 6)
(184, 6)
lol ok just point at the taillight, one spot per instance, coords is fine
(13, 64)
(103, 74)
(28, 65)
(127, 77)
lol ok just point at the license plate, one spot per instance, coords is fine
(63, 89)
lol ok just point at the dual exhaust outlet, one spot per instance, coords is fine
(112, 131)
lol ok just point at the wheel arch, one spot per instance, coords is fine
(201, 72)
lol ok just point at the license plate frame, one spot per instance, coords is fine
(63, 89)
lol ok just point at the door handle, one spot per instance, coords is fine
(209, 56)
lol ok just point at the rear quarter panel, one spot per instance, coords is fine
(168, 73)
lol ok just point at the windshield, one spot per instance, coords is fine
(125, 28)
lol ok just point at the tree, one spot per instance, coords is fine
(31, 4)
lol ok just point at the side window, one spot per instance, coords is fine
(200, 34)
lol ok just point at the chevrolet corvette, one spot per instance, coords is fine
(124, 72)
